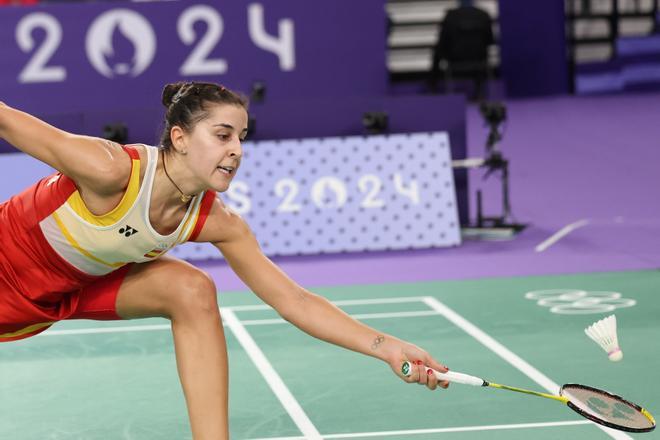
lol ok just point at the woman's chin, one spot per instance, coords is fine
(220, 186)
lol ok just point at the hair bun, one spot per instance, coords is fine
(169, 91)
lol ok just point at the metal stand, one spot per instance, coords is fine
(502, 226)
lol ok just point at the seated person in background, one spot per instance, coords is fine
(465, 35)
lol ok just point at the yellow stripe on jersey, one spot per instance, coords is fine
(154, 253)
(78, 205)
(26, 330)
(72, 241)
(191, 221)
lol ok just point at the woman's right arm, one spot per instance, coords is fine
(95, 163)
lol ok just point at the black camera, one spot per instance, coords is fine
(493, 112)
(258, 91)
(375, 122)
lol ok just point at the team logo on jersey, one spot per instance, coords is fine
(154, 253)
(128, 231)
(120, 42)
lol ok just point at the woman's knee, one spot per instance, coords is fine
(167, 287)
(195, 295)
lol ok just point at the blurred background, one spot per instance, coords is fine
(486, 154)
(463, 134)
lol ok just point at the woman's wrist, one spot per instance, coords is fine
(385, 347)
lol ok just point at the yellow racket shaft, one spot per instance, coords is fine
(522, 390)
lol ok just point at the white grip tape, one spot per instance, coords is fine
(451, 376)
(465, 379)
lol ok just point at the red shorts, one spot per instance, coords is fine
(21, 318)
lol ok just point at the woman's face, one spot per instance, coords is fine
(214, 146)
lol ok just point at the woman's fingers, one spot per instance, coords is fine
(418, 372)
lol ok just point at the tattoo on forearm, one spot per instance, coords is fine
(377, 342)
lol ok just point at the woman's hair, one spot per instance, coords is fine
(188, 103)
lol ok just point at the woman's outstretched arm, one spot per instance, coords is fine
(310, 312)
(95, 163)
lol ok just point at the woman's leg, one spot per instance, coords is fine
(177, 290)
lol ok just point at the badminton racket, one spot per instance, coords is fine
(596, 405)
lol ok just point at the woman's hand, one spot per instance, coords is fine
(420, 361)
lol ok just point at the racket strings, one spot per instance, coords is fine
(608, 409)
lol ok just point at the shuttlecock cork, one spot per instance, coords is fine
(603, 333)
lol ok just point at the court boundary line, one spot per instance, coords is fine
(274, 381)
(440, 430)
(358, 316)
(343, 302)
(223, 310)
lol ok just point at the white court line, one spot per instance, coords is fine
(223, 310)
(358, 316)
(506, 354)
(439, 430)
(347, 302)
(563, 232)
(88, 331)
(272, 378)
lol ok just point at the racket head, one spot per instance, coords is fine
(607, 409)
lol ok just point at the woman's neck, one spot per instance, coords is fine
(172, 188)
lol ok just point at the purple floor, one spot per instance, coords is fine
(572, 158)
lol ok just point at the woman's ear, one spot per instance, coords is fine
(178, 139)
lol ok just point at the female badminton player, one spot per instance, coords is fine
(89, 242)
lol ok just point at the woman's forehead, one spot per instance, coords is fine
(233, 115)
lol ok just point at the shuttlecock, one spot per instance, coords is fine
(603, 333)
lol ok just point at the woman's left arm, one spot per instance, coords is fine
(311, 313)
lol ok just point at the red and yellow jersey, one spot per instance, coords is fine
(52, 244)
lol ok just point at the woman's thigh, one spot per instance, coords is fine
(162, 288)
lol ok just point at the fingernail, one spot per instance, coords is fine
(418, 362)
(429, 372)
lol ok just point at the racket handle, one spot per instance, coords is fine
(451, 376)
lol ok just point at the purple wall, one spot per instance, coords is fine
(78, 57)
(533, 47)
(107, 63)
(80, 66)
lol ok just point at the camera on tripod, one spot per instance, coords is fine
(494, 113)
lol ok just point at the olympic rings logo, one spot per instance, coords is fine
(579, 302)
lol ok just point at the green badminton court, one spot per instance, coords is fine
(93, 380)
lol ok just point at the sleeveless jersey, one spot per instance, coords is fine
(53, 244)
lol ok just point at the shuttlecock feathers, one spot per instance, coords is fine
(603, 333)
